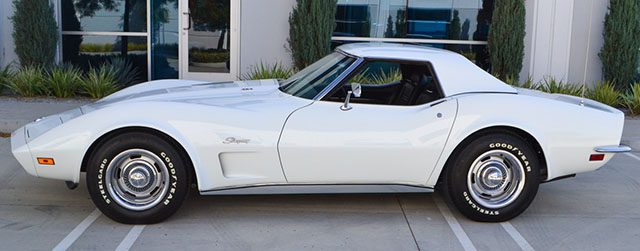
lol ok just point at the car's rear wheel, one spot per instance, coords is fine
(137, 178)
(493, 178)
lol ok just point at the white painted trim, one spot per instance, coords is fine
(407, 40)
(106, 33)
(534, 36)
(149, 28)
(586, 54)
(568, 59)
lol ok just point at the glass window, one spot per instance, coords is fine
(93, 51)
(312, 80)
(391, 83)
(422, 19)
(112, 15)
(209, 36)
(164, 40)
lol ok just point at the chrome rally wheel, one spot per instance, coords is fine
(493, 177)
(137, 179)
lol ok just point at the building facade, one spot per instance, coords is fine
(221, 39)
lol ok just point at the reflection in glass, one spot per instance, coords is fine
(443, 19)
(164, 39)
(209, 37)
(94, 51)
(105, 15)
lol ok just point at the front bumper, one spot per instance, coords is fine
(21, 151)
(612, 149)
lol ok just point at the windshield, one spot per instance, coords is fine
(309, 82)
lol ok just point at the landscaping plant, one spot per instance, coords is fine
(551, 85)
(64, 81)
(99, 82)
(620, 54)
(126, 73)
(265, 71)
(6, 74)
(506, 39)
(35, 33)
(631, 99)
(605, 92)
(28, 82)
(382, 77)
(311, 24)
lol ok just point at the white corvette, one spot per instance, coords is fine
(367, 117)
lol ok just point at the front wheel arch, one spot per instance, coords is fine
(98, 142)
(501, 129)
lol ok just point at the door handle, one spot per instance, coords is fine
(188, 20)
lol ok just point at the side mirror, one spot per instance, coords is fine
(356, 91)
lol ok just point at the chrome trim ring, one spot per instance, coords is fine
(496, 179)
(137, 179)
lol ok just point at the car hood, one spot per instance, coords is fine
(206, 93)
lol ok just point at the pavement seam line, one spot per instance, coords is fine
(455, 226)
(408, 224)
(131, 238)
(77, 231)
(516, 236)
(632, 156)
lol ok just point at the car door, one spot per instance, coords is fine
(368, 144)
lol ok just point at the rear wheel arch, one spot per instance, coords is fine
(530, 139)
(179, 147)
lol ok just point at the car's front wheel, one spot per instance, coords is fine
(137, 178)
(493, 178)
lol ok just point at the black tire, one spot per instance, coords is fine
(134, 155)
(460, 182)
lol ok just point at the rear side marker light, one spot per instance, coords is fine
(46, 161)
(596, 157)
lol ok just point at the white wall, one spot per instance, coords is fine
(563, 40)
(264, 31)
(7, 51)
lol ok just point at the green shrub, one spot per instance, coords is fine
(506, 38)
(526, 84)
(382, 77)
(28, 82)
(265, 71)
(35, 33)
(620, 54)
(311, 24)
(126, 73)
(605, 92)
(99, 82)
(204, 56)
(551, 85)
(631, 99)
(64, 81)
(6, 74)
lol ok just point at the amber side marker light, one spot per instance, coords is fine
(596, 157)
(46, 161)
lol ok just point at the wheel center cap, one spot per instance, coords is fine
(493, 177)
(138, 179)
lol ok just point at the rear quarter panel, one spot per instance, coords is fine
(567, 132)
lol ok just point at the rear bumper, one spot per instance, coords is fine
(612, 149)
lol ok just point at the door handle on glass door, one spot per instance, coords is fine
(188, 15)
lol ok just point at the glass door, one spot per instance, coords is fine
(209, 40)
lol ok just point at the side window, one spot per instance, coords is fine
(391, 83)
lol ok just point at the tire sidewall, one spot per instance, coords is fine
(457, 174)
(176, 166)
